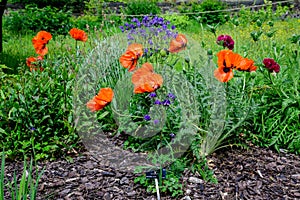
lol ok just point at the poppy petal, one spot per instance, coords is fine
(129, 60)
(223, 76)
(178, 44)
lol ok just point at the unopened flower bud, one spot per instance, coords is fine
(163, 53)
(209, 52)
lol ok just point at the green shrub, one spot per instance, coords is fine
(36, 111)
(82, 22)
(179, 21)
(206, 6)
(33, 19)
(75, 5)
(141, 7)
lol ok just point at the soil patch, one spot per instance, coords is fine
(256, 173)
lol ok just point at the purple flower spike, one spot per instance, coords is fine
(157, 102)
(147, 117)
(225, 41)
(152, 95)
(166, 102)
(32, 129)
(171, 96)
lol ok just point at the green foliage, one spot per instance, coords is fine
(33, 19)
(141, 7)
(179, 21)
(206, 173)
(171, 185)
(27, 187)
(203, 14)
(36, 111)
(86, 21)
(75, 5)
(246, 16)
(278, 114)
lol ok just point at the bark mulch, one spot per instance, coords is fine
(256, 173)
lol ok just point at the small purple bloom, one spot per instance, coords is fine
(152, 95)
(157, 102)
(156, 121)
(171, 96)
(131, 26)
(129, 37)
(225, 41)
(166, 102)
(173, 27)
(135, 20)
(172, 135)
(122, 28)
(147, 117)
(32, 129)
(150, 42)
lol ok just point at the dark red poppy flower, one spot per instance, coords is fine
(225, 41)
(271, 65)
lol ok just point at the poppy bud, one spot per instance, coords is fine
(187, 60)
(270, 23)
(253, 74)
(209, 52)
(163, 53)
(258, 23)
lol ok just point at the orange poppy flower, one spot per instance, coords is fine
(227, 61)
(32, 63)
(39, 42)
(223, 74)
(43, 37)
(78, 34)
(130, 57)
(104, 97)
(40, 48)
(246, 65)
(145, 80)
(137, 48)
(178, 44)
(129, 60)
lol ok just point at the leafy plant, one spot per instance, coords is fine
(179, 21)
(208, 12)
(33, 19)
(141, 7)
(171, 184)
(36, 110)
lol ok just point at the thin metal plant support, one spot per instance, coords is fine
(157, 189)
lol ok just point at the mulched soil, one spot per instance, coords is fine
(256, 173)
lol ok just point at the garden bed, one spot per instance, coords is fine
(256, 173)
